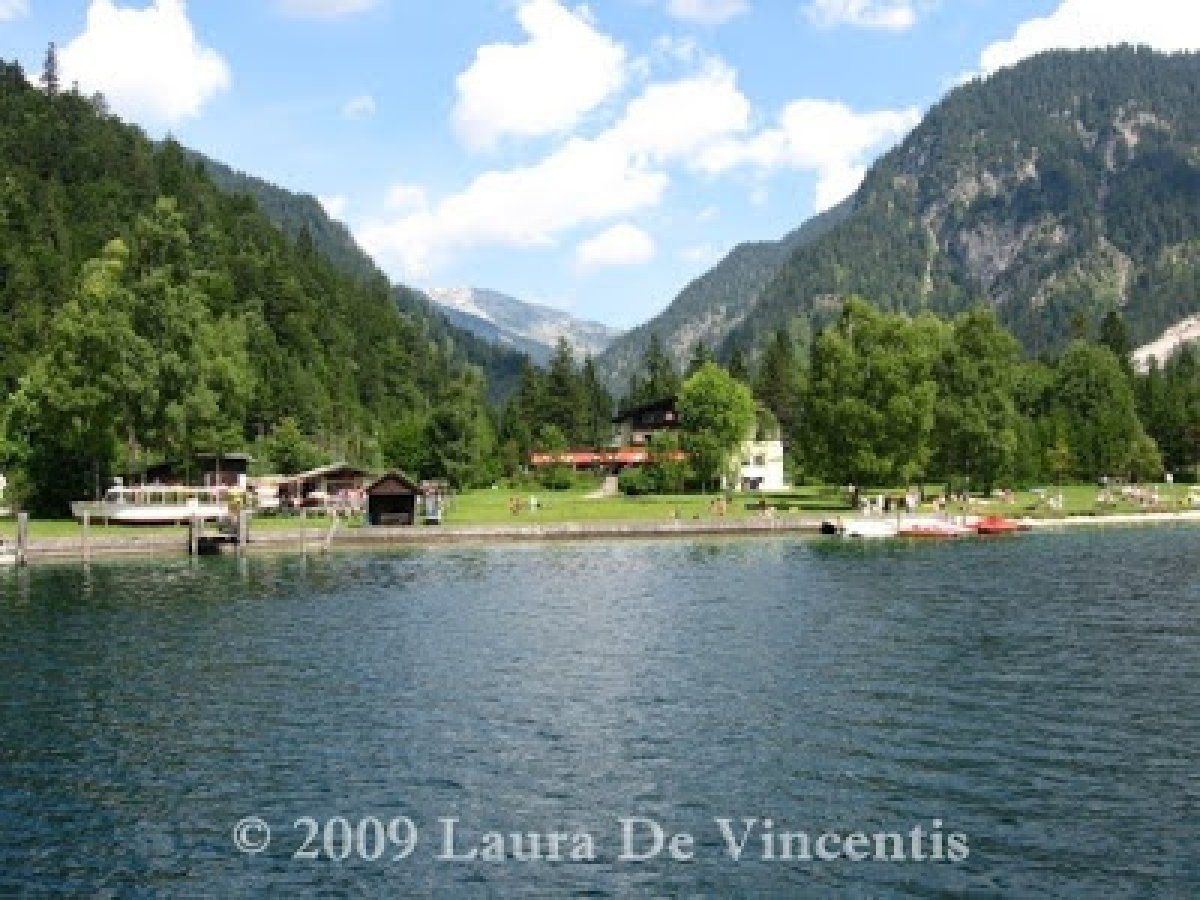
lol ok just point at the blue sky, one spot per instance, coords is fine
(590, 157)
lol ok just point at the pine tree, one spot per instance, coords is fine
(50, 77)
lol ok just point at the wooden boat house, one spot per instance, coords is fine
(392, 500)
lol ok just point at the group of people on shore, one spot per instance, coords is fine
(516, 504)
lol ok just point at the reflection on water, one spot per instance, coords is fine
(1041, 695)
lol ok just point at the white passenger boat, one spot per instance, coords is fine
(8, 552)
(156, 504)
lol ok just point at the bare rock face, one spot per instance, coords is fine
(1054, 191)
(1164, 346)
(527, 327)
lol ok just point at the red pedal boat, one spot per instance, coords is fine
(998, 525)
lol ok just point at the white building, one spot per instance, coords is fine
(760, 466)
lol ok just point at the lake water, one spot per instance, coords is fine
(1038, 697)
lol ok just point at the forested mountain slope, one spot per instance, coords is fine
(305, 219)
(146, 314)
(1054, 191)
(709, 307)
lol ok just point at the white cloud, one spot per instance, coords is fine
(582, 182)
(679, 119)
(326, 9)
(707, 12)
(890, 15)
(822, 136)
(13, 9)
(147, 62)
(620, 171)
(546, 85)
(406, 197)
(621, 245)
(1166, 25)
(335, 205)
(360, 107)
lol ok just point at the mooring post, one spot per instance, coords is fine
(194, 536)
(84, 526)
(303, 530)
(22, 538)
(243, 533)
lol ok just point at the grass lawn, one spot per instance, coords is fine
(492, 507)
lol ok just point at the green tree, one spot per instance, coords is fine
(50, 79)
(598, 427)
(404, 445)
(738, 367)
(668, 470)
(700, 355)
(872, 396)
(84, 396)
(565, 402)
(976, 424)
(461, 437)
(1095, 401)
(780, 382)
(657, 378)
(716, 413)
(289, 451)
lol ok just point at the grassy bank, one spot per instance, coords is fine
(495, 507)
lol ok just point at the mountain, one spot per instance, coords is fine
(711, 306)
(526, 327)
(1055, 191)
(297, 214)
(304, 218)
(147, 315)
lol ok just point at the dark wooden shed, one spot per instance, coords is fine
(392, 500)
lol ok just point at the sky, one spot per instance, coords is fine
(594, 158)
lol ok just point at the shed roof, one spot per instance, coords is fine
(389, 481)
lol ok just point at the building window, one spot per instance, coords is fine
(760, 460)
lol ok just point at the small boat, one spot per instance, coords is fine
(999, 525)
(8, 553)
(869, 528)
(932, 528)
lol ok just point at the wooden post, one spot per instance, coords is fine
(194, 536)
(22, 538)
(243, 533)
(303, 529)
(85, 525)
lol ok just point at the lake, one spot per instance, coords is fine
(757, 717)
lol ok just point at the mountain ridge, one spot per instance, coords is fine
(711, 305)
(530, 328)
(1054, 191)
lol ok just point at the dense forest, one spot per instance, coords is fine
(303, 218)
(147, 315)
(1054, 192)
(886, 398)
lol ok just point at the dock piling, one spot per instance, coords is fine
(22, 538)
(84, 527)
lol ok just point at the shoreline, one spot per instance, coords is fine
(318, 540)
